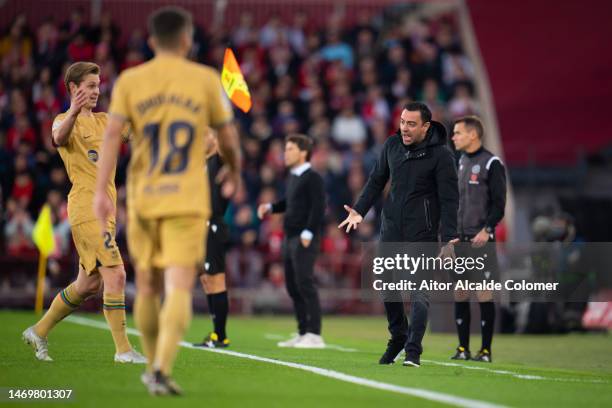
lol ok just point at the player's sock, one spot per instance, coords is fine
(487, 315)
(219, 310)
(462, 319)
(174, 320)
(114, 312)
(146, 316)
(65, 302)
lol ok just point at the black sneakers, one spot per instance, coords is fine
(212, 341)
(462, 354)
(394, 346)
(412, 360)
(484, 355)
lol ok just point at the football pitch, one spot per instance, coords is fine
(528, 371)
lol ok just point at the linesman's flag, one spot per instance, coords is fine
(233, 82)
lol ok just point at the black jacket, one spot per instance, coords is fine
(304, 204)
(423, 189)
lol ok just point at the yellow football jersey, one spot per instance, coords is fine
(169, 103)
(80, 155)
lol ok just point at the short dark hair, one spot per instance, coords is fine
(303, 142)
(77, 72)
(421, 107)
(472, 122)
(167, 23)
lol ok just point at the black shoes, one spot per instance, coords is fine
(462, 354)
(484, 356)
(394, 346)
(412, 360)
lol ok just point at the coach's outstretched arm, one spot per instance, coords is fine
(371, 192)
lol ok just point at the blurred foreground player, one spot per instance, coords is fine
(212, 275)
(482, 200)
(170, 103)
(77, 133)
(304, 208)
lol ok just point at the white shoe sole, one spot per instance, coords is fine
(309, 346)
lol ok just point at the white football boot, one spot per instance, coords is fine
(39, 344)
(131, 356)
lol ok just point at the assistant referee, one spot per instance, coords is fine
(482, 199)
(212, 275)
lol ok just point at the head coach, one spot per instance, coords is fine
(421, 206)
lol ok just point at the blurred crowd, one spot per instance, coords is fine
(342, 84)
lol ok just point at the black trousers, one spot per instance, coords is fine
(299, 280)
(419, 305)
(398, 323)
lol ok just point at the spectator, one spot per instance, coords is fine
(18, 230)
(348, 128)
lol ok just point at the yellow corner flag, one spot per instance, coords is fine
(43, 232)
(45, 242)
(233, 82)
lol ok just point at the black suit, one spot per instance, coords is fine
(304, 208)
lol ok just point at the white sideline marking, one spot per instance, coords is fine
(515, 374)
(415, 392)
(279, 337)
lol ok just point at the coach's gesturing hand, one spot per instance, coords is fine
(352, 220)
(448, 249)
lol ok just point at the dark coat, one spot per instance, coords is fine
(423, 192)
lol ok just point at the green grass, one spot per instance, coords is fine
(83, 362)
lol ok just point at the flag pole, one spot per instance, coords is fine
(40, 285)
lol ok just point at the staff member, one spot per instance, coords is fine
(304, 208)
(482, 199)
(212, 275)
(422, 196)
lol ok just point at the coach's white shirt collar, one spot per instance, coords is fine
(299, 170)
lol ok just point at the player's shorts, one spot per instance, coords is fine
(94, 247)
(162, 242)
(216, 246)
(488, 256)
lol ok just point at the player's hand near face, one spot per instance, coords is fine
(352, 220)
(77, 102)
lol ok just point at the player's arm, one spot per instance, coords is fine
(62, 128)
(103, 205)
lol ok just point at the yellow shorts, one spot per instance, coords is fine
(94, 247)
(162, 242)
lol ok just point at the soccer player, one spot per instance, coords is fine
(77, 133)
(169, 103)
(212, 276)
